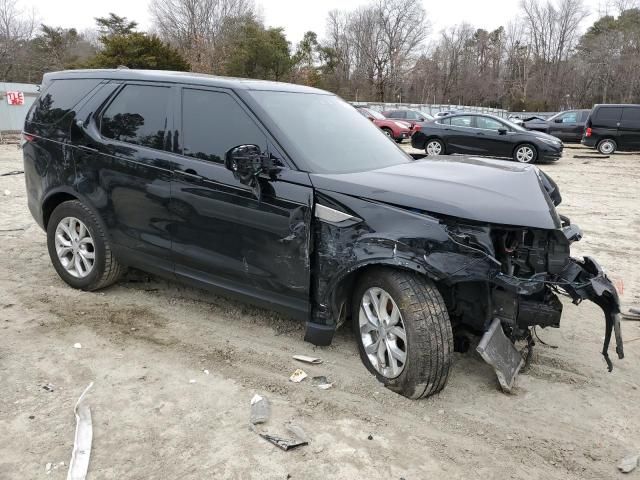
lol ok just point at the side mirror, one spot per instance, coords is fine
(558, 120)
(370, 118)
(502, 131)
(247, 162)
(421, 119)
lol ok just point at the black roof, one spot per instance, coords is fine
(182, 78)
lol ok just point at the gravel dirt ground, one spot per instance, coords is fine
(156, 414)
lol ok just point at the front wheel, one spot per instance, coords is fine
(403, 331)
(607, 146)
(387, 132)
(526, 153)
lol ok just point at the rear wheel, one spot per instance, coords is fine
(434, 147)
(525, 153)
(607, 146)
(79, 248)
(403, 331)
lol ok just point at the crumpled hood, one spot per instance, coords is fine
(484, 190)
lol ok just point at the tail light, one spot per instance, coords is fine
(26, 138)
(587, 132)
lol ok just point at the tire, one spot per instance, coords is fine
(399, 140)
(387, 131)
(67, 221)
(423, 318)
(434, 146)
(525, 153)
(607, 146)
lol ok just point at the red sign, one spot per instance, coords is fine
(15, 98)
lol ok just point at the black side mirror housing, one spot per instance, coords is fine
(502, 131)
(247, 162)
(558, 120)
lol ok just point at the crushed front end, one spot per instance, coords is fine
(533, 267)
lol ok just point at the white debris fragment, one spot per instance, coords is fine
(192, 381)
(306, 359)
(79, 463)
(298, 376)
(629, 463)
(7, 193)
(77, 345)
(47, 468)
(206, 372)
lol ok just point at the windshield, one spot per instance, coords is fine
(324, 134)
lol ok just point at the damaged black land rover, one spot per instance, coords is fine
(286, 196)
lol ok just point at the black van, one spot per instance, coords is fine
(251, 189)
(613, 127)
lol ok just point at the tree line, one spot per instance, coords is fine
(544, 59)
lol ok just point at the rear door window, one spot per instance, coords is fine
(59, 98)
(396, 115)
(213, 123)
(608, 116)
(463, 121)
(631, 117)
(138, 115)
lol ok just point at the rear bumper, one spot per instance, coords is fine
(588, 142)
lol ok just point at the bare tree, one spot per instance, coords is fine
(16, 28)
(197, 27)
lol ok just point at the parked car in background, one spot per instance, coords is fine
(416, 118)
(444, 113)
(283, 195)
(568, 126)
(481, 134)
(396, 129)
(613, 127)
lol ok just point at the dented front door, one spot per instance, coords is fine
(238, 238)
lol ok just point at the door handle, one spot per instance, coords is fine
(189, 172)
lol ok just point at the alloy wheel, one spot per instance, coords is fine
(525, 154)
(434, 148)
(606, 147)
(382, 332)
(75, 247)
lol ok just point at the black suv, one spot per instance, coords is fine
(242, 187)
(613, 127)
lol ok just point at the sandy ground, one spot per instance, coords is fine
(143, 342)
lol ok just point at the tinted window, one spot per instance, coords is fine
(488, 123)
(59, 98)
(631, 117)
(412, 115)
(608, 116)
(445, 121)
(461, 121)
(213, 123)
(396, 114)
(138, 115)
(326, 134)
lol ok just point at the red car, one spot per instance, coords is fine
(392, 128)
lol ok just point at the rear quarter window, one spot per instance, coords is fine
(607, 116)
(631, 117)
(59, 98)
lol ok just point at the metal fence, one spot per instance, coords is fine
(431, 109)
(12, 116)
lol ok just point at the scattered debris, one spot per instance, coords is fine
(13, 172)
(305, 359)
(192, 381)
(635, 310)
(283, 443)
(298, 376)
(321, 382)
(634, 314)
(629, 463)
(77, 345)
(260, 410)
(205, 371)
(7, 193)
(298, 432)
(370, 437)
(31, 417)
(82, 443)
(48, 387)
(47, 468)
(591, 156)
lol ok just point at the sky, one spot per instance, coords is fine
(296, 16)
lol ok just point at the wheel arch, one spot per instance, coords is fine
(53, 200)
